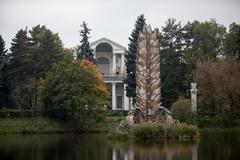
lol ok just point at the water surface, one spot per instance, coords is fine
(212, 146)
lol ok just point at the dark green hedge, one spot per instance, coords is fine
(15, 113)
(117, 113)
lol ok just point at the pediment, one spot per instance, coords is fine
(118, 48)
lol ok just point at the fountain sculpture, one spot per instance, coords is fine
(148, 92)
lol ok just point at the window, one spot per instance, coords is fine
(103, 65)
(119, 102)
(104, 47)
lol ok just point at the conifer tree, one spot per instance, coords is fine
(130, 58)
(84, 50)
(47, 49)
(3, 83)
(20, 69)
(173, 67)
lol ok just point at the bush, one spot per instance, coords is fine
(181, 111)
(159, 132)
(15, 113)
(117, 112)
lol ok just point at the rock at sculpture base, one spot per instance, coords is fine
(159, 115)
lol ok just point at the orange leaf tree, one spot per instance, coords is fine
(74, 91)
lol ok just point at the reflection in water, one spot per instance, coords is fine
(164, 151)
(216, 146)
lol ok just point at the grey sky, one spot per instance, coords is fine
(113, 19)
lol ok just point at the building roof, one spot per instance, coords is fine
(114, 44)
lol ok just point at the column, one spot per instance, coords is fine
(114, 64)
(122, 64)
(125, 98)
(113, 96)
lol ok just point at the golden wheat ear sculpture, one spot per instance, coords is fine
(148, 81)
(148, 88)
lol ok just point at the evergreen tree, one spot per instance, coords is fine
(3, 83)
(20, 69)
(31, 59)
(130, 58)
(188, 56)
(84, 50)
(47, 49)
(173, 67)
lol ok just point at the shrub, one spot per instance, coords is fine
(181, 110)
(160, 132)
(15, 113)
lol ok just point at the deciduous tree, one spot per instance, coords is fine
(219, 88)
(232, 41)
(76, 89)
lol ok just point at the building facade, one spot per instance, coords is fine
(110, 61)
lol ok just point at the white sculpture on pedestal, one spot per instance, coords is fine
(194, 96)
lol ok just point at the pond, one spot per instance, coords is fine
(211, 146)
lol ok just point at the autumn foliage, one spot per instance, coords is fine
(219, 88)
(75, 90)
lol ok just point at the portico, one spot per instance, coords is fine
(110, 61)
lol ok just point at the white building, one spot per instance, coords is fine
(110, 61)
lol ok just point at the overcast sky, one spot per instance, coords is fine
(113, 19)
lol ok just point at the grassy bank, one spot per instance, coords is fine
(45, 125)
(156, 132)
(33, 125)
(107, 124)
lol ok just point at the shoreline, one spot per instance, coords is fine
(47, 126)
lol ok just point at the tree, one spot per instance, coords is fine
(20, 69)
(76, 89)
(208, 40)
(173, 66)
(3, 83)
(219, 88)
(46, 48)
(130, 58)
(84, 50)
(232, 41)
(31, 59)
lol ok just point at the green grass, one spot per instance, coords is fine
(118, 135)
(44, 125)
(33, 125)
(158, 132)
(107, 124)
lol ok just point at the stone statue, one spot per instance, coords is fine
(194, 96)
(148, 91)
